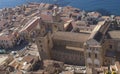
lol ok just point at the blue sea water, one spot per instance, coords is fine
(105, 7)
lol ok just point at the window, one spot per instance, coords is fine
(48, 41)
(55, 26)
(43, 31)
(7, 45)
(110, 46)
(89, 55)
(40, 41)
(90, 48)
(95, 55)
(41, 46)
(41, 49)
(88, 25)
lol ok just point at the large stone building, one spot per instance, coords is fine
(70, 46)
(94, 45)
(58, 43)
(112, 44)
(8, 38)
(102, 47)
(95, 49)
(63, 45)
(78, 48)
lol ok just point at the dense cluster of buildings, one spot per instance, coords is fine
(68, 40)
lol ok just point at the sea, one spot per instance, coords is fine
(105, 7)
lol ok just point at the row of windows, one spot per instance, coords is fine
(95, 55)
(41, 47)
(3, 41)
(92, 49)
(5, 46)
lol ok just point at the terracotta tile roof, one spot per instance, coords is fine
(69, 36)
(28, 58)
(3, 72)
(115, 34)
(13, 63)
(75, 14)
(46, 17)
(2, 22)
(47, 6)
(6, 38)
(74, 24)
(64, 14)
(30, 24)
(20, 66)
(65, 19)
(68, 9)
(34, 24)
(19, 72)
(117, 17)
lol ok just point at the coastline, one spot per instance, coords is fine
(101, 11)
(103, 7)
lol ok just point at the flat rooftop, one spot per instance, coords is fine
(115, 34)
(2, 59)
(71, 36)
